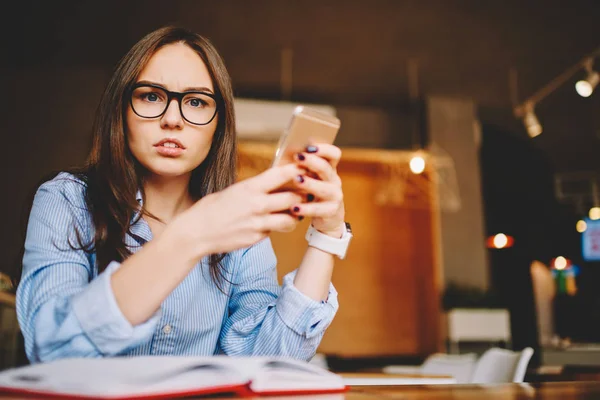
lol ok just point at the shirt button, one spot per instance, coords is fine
(167, 329)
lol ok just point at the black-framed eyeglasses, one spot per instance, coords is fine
(152, 101)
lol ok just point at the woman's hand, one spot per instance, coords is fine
(327, 206)
(239, 216)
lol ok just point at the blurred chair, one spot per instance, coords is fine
(459, 366)
(502, 366)
(544, 290)
(477, 326)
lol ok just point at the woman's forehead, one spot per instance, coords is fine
(177, 67)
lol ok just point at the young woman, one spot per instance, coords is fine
(151, 248)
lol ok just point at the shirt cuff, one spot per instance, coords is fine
(103, 322)
(302, 314)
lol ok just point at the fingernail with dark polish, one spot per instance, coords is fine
(312, 149)
(310, 197)
(300, 178)
(300, 218)
(296, 209)
(301, 156)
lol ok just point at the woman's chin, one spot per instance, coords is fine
(169, 171)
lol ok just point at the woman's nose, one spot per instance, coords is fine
(172, 117)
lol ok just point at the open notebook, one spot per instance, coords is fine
(168, 377)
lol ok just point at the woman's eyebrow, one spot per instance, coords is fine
(198, 89)
(188, 89)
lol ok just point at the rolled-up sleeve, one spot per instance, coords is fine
(302, 314)
(62, 311)
(266, 319)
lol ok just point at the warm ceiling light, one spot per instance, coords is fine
(594, 213)
(581, 226)
(560, 263)
(417, 164)
(500, 241)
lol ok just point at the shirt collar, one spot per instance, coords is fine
(140, 201)
(140, 229)
(138, 197)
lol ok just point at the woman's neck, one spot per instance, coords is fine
(167, 197)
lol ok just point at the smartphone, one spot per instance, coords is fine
(306, 127)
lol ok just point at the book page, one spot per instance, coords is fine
(117, 377)
(155, 375)
(283, 374)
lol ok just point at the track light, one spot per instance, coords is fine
(532, 124)
(586, 87)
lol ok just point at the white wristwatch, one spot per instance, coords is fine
(328, 244)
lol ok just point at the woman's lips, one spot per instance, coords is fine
(169, 151)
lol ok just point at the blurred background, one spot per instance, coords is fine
(492, 217)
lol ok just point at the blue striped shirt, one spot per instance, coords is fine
(66, 309)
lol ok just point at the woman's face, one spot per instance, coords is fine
(168, 145)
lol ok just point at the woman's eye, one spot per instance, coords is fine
(150, 97)
(196, 102)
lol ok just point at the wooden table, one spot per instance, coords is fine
(373, 379)
(512, 391)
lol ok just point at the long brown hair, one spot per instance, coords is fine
(112, 173)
